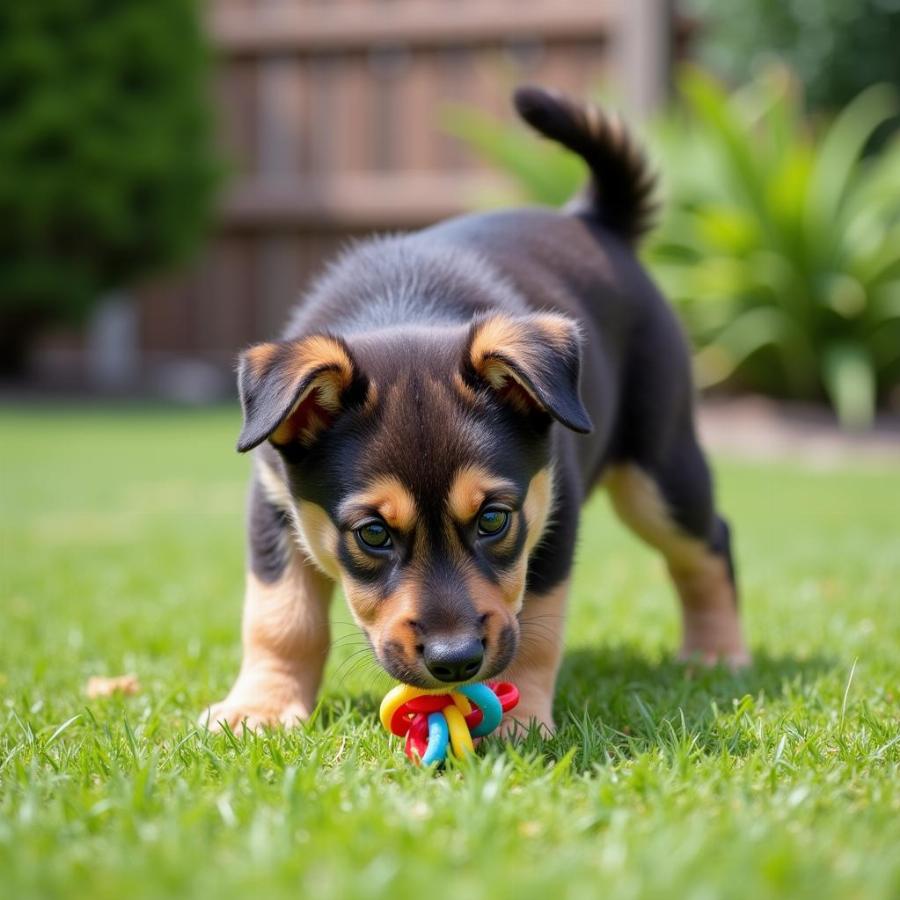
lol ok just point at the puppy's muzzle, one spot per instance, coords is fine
(453, 659)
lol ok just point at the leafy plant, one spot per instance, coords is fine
(836, 47)
(780, 245)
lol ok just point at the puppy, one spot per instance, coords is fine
(425, 432)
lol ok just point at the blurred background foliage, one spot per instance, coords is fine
(836, 48)
(779, 241)
(107, 168)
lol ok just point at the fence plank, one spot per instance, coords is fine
(644, 53)
(281, 114)
(355, 201)
(356, 26)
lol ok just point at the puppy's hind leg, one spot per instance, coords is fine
(670, 506)
(285, 630)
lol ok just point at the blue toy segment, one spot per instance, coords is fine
(438, 739)
(489, 704)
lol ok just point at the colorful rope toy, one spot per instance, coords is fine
(433, 722)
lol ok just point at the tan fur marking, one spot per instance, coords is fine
(318, 537)
(391, 617)
(260, 356)
(499, 604)
(464, 391)
(517, 338)
(712, 625)
(307, 355)
(275, 489)
(371, 400)
(537, 506)
(495, 372)
(505, 597)
(501, 338)
(390, 497)
(317, 352)
(471, 485)
(498, 334)
(558, 329)
(512, 584)
(534, 670)
(327, 387)
(500, 600)
(286, 638)
(640, 505)
(364, 601)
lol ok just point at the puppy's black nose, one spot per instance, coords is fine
(455, 659)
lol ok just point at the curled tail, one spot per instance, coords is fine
(621, 191)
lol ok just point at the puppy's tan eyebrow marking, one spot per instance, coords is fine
(471, 486)
(392, 500)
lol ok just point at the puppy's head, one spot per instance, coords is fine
(419, 474)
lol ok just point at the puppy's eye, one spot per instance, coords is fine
(493, 521)
(374, 535)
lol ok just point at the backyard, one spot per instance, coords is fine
(122, 552)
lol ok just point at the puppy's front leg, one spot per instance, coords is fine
(536, 665)
(285, 631)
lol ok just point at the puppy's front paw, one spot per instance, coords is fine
(258, 702)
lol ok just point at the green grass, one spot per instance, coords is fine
(122, 551)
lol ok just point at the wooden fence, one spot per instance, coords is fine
(331, 122)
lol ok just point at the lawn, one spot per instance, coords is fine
(122, 551)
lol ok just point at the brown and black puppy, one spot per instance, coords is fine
(437, 411)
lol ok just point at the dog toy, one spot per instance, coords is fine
(434, 722)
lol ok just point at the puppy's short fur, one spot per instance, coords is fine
(426, 430)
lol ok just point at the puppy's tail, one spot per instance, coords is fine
(621, 193)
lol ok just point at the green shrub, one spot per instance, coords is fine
(779, 246)
(106, 166)
(836, 47)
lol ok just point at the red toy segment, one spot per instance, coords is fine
(429, 703)
(417, 737)
(507, 693)
(401, 720)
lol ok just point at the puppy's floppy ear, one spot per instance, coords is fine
(533, 362)
(291, 391)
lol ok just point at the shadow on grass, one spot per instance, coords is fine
(616, 697)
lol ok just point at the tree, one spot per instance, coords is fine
(107, 169)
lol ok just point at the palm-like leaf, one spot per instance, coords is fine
(818, 231)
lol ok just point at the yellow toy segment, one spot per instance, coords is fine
(460, 739)
(462, 702)
(403, 693)
(394, 699)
